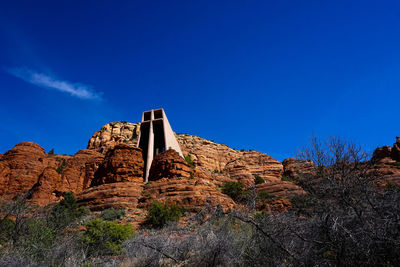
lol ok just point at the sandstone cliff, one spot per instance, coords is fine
(173, 181)
(110, 172)
(386, 161)
(114, 133)
(26, 170)
(118, 182)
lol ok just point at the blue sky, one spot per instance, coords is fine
(261, 75)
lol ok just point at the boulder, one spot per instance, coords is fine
(118, 182)
(169, 164)
(114, 133)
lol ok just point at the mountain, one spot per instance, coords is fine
(109, 173)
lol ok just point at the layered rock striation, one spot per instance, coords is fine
(118, 182)
(114, 133)
(26, 170)
(173, 181)
(386, 161)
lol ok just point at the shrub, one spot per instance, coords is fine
(66, 211)
(6, 230)
(233, 189)
(51, 152)
(289, 179)
(160, 214)
(258, 179)
(189, 161)
(61, 165)
(264, 196)
(392, 187)
(112, 214)
(105, 237)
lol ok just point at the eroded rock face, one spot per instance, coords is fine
(72, 174)
(118, 182)
(192, 193)
(387, 164)
(294, 168)
(171, 180)
(211, 156)
(206, 154)
(123, 163)
(114, 133)
(110, 172)
(279, 188)
(20, 168)
(396, 150)
(26, 170)
(387, 153)
(112, 195)
(169, 164)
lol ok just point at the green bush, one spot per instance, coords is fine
(36, 237)
(105, 237)
(7, 227)
(289, 179)
(66, 211)
(112, 214)
(392, 187)
(189, 161)
(265, 196)
(61, 165)
(233, 189)
(258, 179)
(159, 214)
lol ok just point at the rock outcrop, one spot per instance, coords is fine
(114, 133)
(73, 174)
(173, 181)
(206, 154)
(294, 168)
(118, 182)
(123, 163)
(169, 165)
(110, 172)
(26, 170)
(386, 161)
(279, 188)
(20, 168)
(242, 166)
(194, 194)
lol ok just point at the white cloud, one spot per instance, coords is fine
(46, 81)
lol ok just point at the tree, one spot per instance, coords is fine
(158, 214)
(105, 237)
(66, 211)
(233, 189)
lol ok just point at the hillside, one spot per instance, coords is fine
(216, 207)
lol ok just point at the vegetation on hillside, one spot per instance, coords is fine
(343, 220)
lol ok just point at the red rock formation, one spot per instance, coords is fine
(123, 163)
(118, 182)
(27, 168)
(293, 168)
(194, 194)
(169, 164)
(279, 188)
(207, 154)
(237, 170)
(114, 133)
(396, 150)
(20, 168)
(173, 181)
(387, 164)
(115, 195)
(71, 175)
